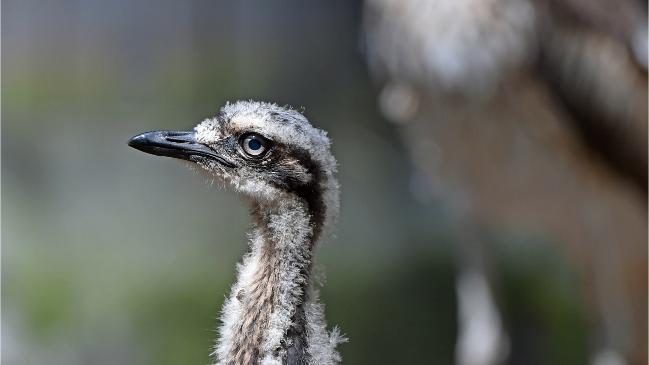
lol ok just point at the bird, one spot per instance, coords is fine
(283, 168)
(528, 116)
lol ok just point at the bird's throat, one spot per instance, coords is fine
(264, 316)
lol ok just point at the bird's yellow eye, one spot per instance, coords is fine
(254, 145)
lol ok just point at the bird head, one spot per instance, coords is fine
(261, 150)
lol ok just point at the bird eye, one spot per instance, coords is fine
(254, 145)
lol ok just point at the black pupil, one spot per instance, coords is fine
(254, 144)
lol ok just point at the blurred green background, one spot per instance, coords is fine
(111, 256)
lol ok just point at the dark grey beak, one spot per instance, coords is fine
(175, 144)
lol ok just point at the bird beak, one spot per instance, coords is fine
(182, 145)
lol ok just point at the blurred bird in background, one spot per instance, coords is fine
(520, 113)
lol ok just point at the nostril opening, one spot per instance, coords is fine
(177, 140)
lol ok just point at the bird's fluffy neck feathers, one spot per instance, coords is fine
(272, 315)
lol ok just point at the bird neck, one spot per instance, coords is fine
(264, 316)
